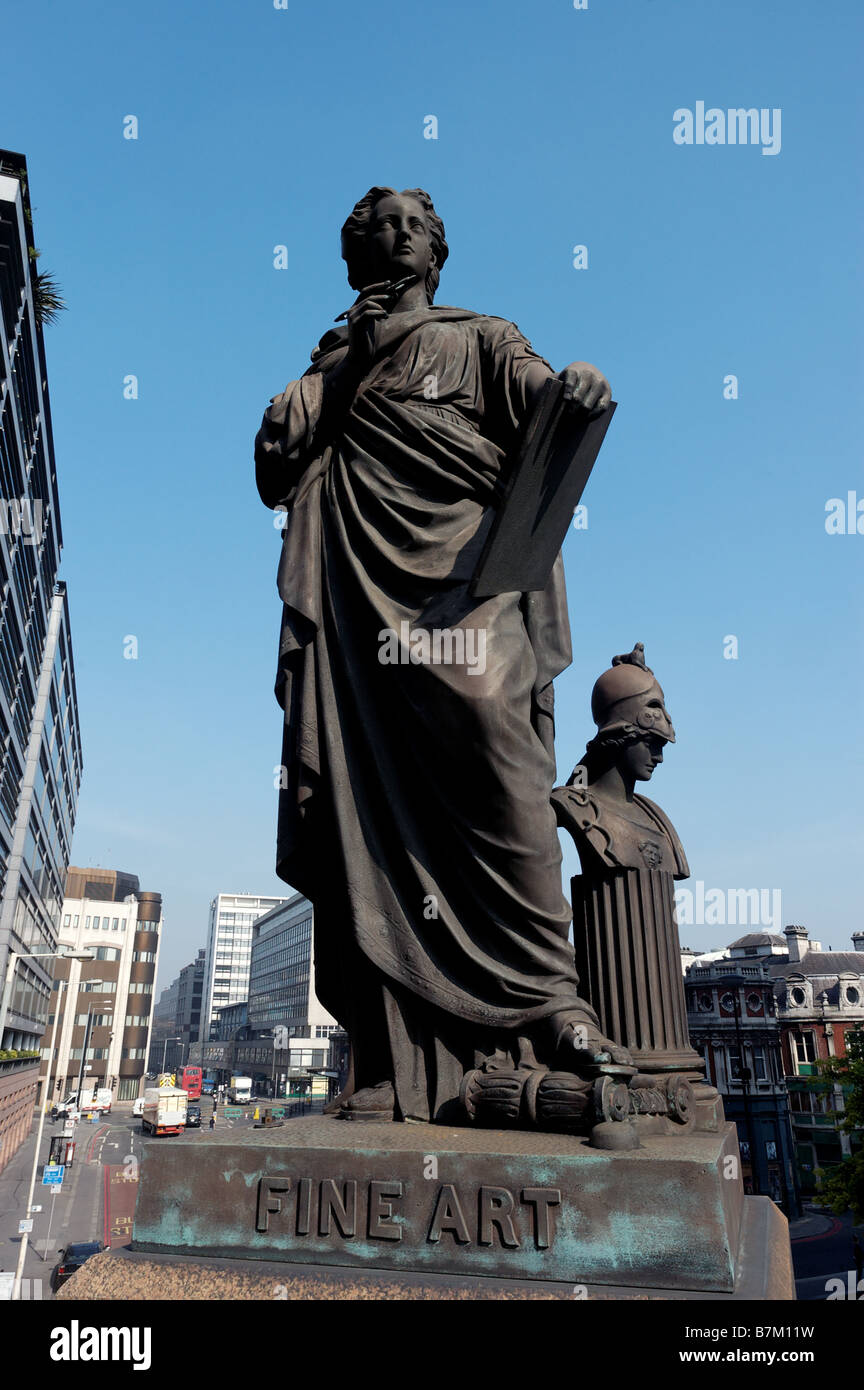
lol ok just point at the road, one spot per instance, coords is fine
(97, 1200)
(825, 1254)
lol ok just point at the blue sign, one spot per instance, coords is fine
(53, 1173)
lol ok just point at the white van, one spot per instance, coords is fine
(99, 1099)
(137, 1108)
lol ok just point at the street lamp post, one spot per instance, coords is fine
(165, 1049)
(87, 1032)
(22, 1253)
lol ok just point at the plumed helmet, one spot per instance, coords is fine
(629, 695)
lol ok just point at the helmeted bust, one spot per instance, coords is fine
(612, 826)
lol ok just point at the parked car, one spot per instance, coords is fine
(72, 1258)
(193, 1117)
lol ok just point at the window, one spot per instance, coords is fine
(86, 923)
(115, 924)
(66, 919)
(798, 996)
(803, 1048)
(759, 1070)
(95, 923)
(75, 922)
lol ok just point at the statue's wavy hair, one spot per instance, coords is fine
(602, 750)
(354, 251)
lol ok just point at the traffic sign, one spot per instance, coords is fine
(25, 1227)
(34, 1209)
(55, 1188)
(52, 1173)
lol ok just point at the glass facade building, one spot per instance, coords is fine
(40, 740)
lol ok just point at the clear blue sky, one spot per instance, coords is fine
(261, 127)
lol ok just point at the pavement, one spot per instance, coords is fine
(815, 1222)
(96, 1201)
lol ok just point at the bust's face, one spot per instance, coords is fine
(641, 758)
(398, 239)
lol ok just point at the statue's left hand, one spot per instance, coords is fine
(585, 386)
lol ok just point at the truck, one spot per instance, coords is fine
(98, 1098)
(164, 1110)
(240, 1090)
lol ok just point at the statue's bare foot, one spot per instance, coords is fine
(580, 1042)
(371, 1103)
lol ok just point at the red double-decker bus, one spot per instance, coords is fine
(189, 1079)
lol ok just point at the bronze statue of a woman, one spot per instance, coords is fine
(416, 813)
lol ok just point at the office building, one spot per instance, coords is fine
(177, 1018)
(105, 1005)
(40, 741)
(228, 952)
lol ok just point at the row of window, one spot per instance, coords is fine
(112, 923)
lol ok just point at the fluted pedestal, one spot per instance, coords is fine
(628, 960)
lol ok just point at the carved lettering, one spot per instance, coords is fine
(342, 1206)
(495, 1206)
(541, 1199)
(269, 1200)
(381, 1197)
(449, 1216)
(304, 1206)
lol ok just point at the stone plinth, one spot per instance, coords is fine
(429, 1202)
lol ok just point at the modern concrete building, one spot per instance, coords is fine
(177, 1018)
(105, 1005)
(228, 952)
(280, 1035)
(40, 741)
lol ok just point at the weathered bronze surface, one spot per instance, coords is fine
(415, 811)
(451, 1201)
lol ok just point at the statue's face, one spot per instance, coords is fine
(398, 239)
(641, 758)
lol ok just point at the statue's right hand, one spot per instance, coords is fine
(372, 303)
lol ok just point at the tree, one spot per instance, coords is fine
(843, 1185)
(48, 303)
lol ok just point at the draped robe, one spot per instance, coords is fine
(416, 810)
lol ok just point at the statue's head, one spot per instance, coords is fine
(389, 234)
(633, 725)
